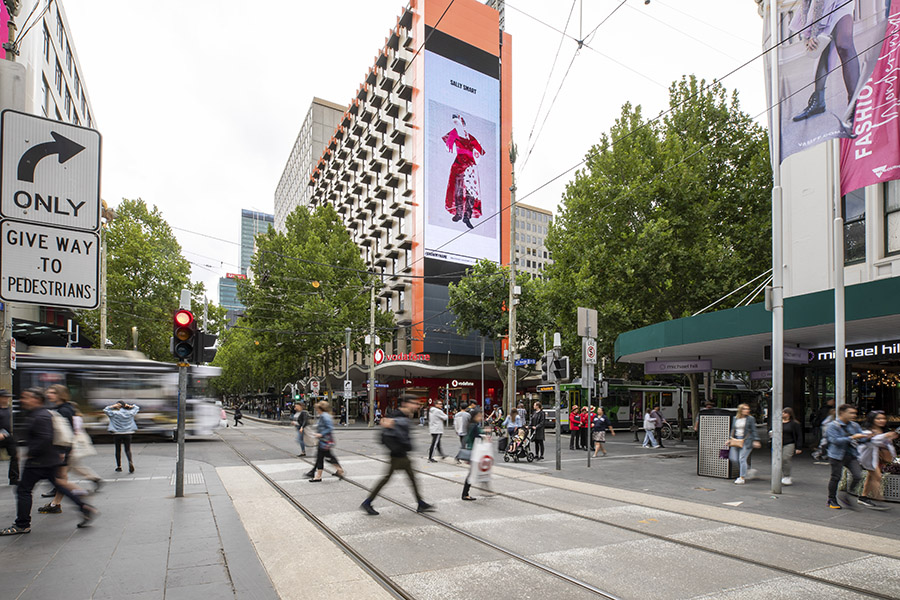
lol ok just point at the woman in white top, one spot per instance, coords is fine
(649, 428)
(879, 451)
(744, 439)
(437, 418)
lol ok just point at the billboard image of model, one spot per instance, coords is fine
(462, 162)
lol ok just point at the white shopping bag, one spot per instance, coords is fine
(482, 461)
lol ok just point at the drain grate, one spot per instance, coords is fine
(189, 479)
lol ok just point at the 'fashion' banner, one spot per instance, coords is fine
(873, 154)
(826, 54)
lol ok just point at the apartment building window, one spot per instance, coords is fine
(69, 58)
(68, 104)
(401, 225)
(46, 44)
(892, 217)
(853, 206)
(77, 85)
(45, 96)
(60, 34)
(58, 78)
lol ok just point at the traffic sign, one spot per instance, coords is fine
(49, 172)
(40, 264)
(314, 386)
(348, 386)
(590, 351)
(524, 361)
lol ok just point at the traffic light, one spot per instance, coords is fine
(184, 334)
(559, 368)
(203, 348)
(545, 367)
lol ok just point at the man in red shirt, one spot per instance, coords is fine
(574, 429)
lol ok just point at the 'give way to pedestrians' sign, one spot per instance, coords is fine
(50, 209)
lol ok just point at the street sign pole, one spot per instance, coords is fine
(557, 350)
(179, 431)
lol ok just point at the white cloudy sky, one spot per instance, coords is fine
(199, 101)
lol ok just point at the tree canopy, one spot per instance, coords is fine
(665, 217)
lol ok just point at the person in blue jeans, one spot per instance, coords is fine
(843, 435)
(122, 426)
(744, 439)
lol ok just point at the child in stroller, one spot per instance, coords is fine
(519, 446)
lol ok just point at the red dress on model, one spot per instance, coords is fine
(463, 189)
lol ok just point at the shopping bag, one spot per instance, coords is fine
(482, 461)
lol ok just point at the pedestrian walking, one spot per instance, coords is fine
(395, 435)
(649, 428)
(61, 402)
(744, 438)
(538, 424)
(791, 442)
(474, 432)
(122, 426)
(658, 421)
(636, 417)
(437, 418)
(461, 426)
(844, 435)
(574, 428)
(879, 451)
(600, 426)
(7, 437)
(301, 421)
(325, 449)
(238, 415)
(41, 462)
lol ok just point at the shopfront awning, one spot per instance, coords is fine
(735, 339)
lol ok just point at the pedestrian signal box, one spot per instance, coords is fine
(184, 333)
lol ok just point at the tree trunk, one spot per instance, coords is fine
(695, 398)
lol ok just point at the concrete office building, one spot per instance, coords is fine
(532, 228)
(395, 170)
(321, 120)
(55, 87)
(252, 224)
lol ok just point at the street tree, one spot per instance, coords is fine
(665, 217)
(146, 272)
(479, 304)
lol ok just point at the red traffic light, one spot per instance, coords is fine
(183, 318)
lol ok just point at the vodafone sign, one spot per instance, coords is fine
(379, 356)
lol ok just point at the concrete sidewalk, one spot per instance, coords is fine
(146, 544)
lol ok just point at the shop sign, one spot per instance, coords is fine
(235, 276)
(658, 367)
(456, 383)
(858, 352)
(761, 375)
(381, 357)
(792, 355)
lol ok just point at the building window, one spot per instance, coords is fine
(46, 44)
(69, 58)
(892, 217)
(68, 104)
(45, 96)
(853, 206)
(58, 78)
(77, 85)
(401, 301)
(59, 29)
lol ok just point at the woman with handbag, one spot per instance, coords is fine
(325, 435)
(600, 426)
(874, 455)
(466, 453)
(742, 441)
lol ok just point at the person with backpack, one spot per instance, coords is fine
(395, 435)
(437, 418)
(122, 426)
(7, 439)
(844, 435)
(61, 402)
(41, 463)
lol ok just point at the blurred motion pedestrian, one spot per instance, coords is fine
(658, 422)
(238, 415)
(41, 462)
(395, 435)
(437, 418)
(538, 424)
(474, 433)
(61, 402)
(122, 426)
(649, 428)
(301, 422)
(7, 439)
(791, 443)
(879, 451)
(844, 437)
(325, 435)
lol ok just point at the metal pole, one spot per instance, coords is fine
(482, 375)
(556, 353)
(179, 431)
(840, 357)
(511, 359)
(777, 257)
(347, 374)
(372, 353)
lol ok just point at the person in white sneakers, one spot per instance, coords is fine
(791, 442)
(437, 418)
(744, 439)
(649, 428)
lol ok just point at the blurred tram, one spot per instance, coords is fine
(98, 378)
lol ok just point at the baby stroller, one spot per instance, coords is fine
(519, 446)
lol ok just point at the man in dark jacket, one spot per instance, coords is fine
(396, 437)
(7, 440)
(41, 463)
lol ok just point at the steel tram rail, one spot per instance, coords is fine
(662, 537)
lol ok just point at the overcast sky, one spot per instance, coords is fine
(199, 102)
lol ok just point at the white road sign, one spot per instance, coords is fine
(590, 351)
(348, 386)
(50, 172)
(40, 264)
(314, 386)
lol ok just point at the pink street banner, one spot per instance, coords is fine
(873, 154)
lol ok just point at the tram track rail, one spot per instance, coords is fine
(662, 537)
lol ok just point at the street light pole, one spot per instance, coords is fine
(347, 374)
(372, 352)
(511, 358)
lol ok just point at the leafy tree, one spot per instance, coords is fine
(145, 275)
(665, 217)
(309, 283)
(239, 356)
(479, 302)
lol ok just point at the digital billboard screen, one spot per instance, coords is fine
(462, 155)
